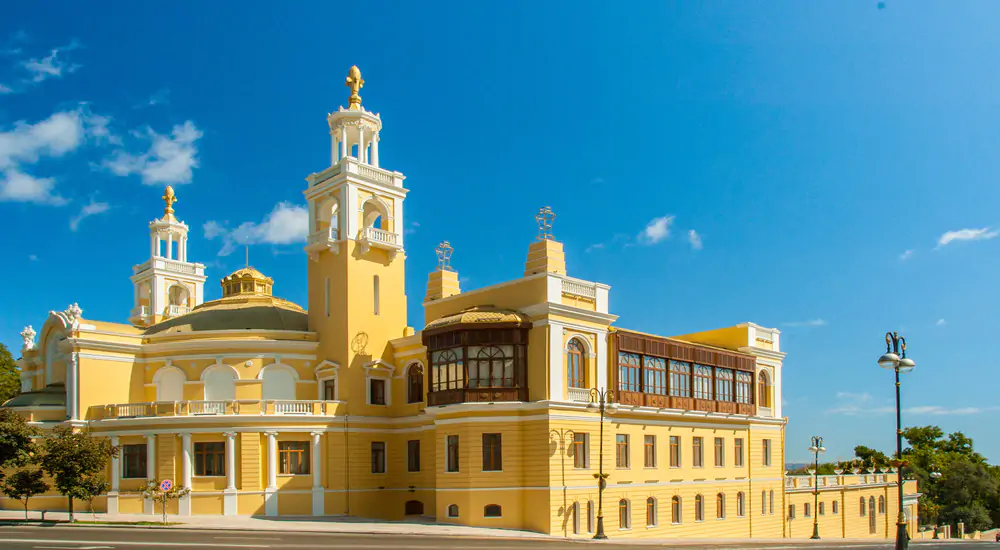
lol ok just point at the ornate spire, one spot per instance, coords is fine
(28, 335)
(355, 83)
(444, 251)
(544, 218)
(169, 198)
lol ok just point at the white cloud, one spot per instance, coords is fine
(695, 239)
(91, 209)
(51, 66)
(861, 404)
(591, 248)
(966, 235)
(159, 97)
(169, 159)
(26, 144)
(809, 323)
(941, 323)
(5, 89)
(906, 255)
(656, 230)
(33, 258)
(286, 224)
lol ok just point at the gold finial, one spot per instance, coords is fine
(169, 198)
(544, 218)
(355, 83)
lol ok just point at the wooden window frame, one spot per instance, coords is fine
(675, 451)
(413, 455)
(415, 384)
(704, 382)
(299, 450)
(575, 364)
(621, 451)
(624, 514)
(581, 450)
(654, 375)
(452, 456)
(629, 372)
(650, 512)
(379, 460)
(725, 380)
(720, 452)
(680, 378)
(697, 452)
(492, 452)
(738, 452)
(208, 453)
(649, 451)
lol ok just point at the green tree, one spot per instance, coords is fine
(10, 377)
(24, 484)
(90, 488)
(72, 459)
(152, 491)
(16, 440)
(871, 458)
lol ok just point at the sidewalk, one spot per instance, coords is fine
(359, 526)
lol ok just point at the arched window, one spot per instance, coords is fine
(492, 511)
(862, 506)
(374, 214)
(699, 508)
(680, 379)
(415, 383)
(491, 367)
(575, 364)
(220, 383)
(770, 497)
(178, 295)
(881, 504)
(741, 505)
(763, 389)
(629, 367)
(576, 518)
(655, 370)
(590, 516)
(650, 512)
(675, 510)
(277, 382)
(169, 384)
(453, 510)
(413, 508)
(720, 506)
(624, 517)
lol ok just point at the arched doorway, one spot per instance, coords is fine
(413, 508)
(872, 517)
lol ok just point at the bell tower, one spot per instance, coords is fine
(166, 285)
(357, 298)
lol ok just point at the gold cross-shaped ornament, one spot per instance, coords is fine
(355, 83)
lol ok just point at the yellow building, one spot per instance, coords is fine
(484, 417)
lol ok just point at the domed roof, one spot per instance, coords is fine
(53, 395)
(479, 315)
(246, 312)
(247, 271)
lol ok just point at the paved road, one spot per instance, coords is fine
(93, 538)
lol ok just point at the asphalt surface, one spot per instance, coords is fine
(94, 538)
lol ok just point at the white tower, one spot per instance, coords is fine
(166, 285)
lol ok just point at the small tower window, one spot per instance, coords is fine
(376, 292)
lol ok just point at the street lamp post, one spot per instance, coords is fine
(816, 448)
(935, 475)
(602, 400)
(895, 359)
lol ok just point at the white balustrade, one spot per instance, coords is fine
(206, 407)
(579, 394)
(132, 410)
(293, 407)
(377, 235)
(577, 288)
(140, 311)
(374, 174)
(174, 311)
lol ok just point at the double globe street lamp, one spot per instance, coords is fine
(895, 359)
(816, 448)
(603, 400)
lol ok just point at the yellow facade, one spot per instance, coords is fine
(484, 417)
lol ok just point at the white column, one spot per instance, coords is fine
(170, 246)
(343, 141)
(183, 248)
(184, 505)
(154, 242)
(557, 367)
(147, 504)
(156, 247)
(115, 475)
(375, 149)
(271, 491)
(602, 360)
(72, 386)
(229, 502)
(333, 148)
(317, 475)
(361, 144)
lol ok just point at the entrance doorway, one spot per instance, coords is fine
(413, 508)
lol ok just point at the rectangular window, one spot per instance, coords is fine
(492, 453)
(655, 370)
(293, 457)
(581, 450)
(702, 382)
(376, 294)
(697, 453)
(629, 367)
(738, 452)
(413, 455)
(621, 451)
(808, 510)
(378, 457)
(767, 452)
(675, 451)
(649, 451)
(680, 379)
(791, 511)
(326, 296)
(210, 459)
(330, 389)
(720, 452)
(451, 453)
(376, 387)
(134, 461)
(723, 384)
(744, 387)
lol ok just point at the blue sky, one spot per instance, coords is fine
(836, 161)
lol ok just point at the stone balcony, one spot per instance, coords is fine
(373, 237)
(241, 407)
(323, 240)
